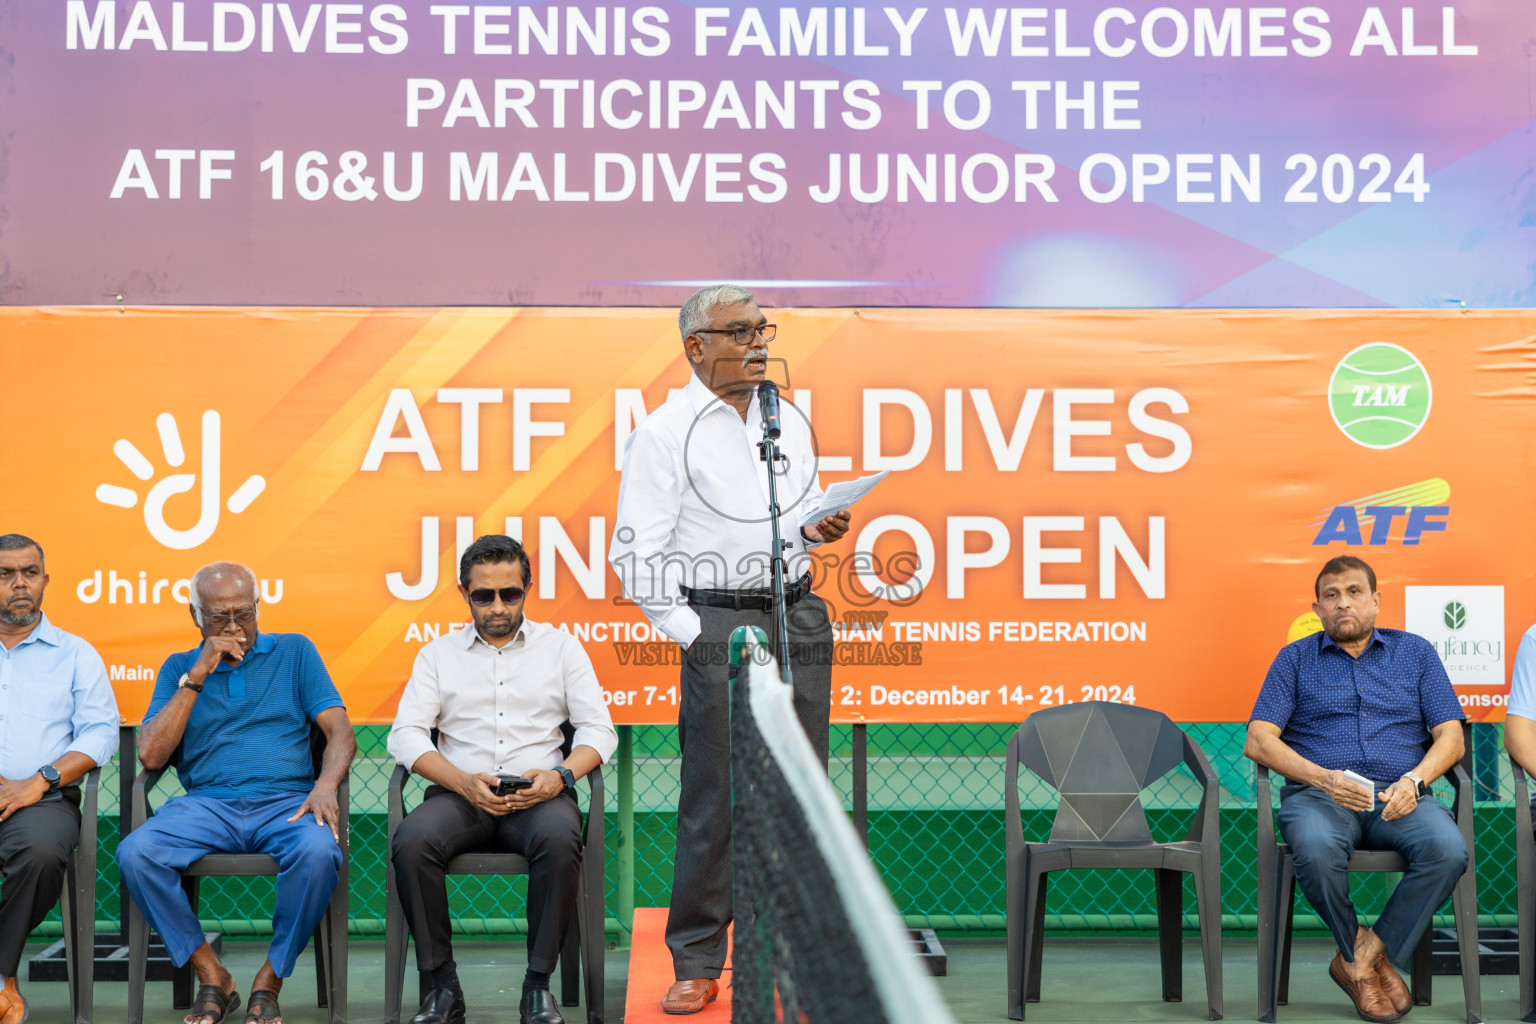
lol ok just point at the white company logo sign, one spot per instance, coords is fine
(171, 484)
(1466, 627)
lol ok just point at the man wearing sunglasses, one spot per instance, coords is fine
(497, 694)
(691, 546)
(233, 715)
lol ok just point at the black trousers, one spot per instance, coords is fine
(35, 844)
(444, 825)
(701, 873)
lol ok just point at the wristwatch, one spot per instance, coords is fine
(1421, 788)
(186, 683)
(50, 775)
(565, 773)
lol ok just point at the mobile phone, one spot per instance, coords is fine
(506, 785)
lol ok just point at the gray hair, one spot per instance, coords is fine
(694, 316)
(17, 541)
(213, 571)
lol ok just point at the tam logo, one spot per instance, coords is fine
(1410, 512)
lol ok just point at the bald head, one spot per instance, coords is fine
(222, 582)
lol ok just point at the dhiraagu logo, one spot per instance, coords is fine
(171, 484)
(1379, 395)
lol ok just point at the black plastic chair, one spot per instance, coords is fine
(1525, 888)
(77, 908)
(1277, 890)
(584, 940)
(330, 939)
(1100, 756)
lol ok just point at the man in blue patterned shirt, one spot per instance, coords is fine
(233, 714)
(1355, 698)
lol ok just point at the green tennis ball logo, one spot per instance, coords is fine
(1379, 395)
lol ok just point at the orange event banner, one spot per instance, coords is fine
(1118, 505)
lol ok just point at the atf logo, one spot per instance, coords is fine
(1404, 514)
(172, 484)
(1379, 395)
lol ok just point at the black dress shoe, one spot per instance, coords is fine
(442, 1006)
(539, 1007)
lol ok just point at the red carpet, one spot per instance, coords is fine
(650, 973)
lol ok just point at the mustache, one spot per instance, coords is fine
(755, 352)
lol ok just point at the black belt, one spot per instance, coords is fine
(757, 599)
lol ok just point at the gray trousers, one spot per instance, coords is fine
(701, 872)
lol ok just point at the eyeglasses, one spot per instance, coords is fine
(744, 335)
(243, 616)
(484, 597)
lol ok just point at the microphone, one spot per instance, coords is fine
(768, 400)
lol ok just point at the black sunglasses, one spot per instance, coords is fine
(486, 596)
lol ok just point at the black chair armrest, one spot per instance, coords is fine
(344, 813)
(595, 785)
(397, 797)
(1266, 832)
(89, 804)
(1013, 822)
(596, 823)
(1525, 842)
(140, 810)
(1522, 801)
(1459, 775)
(1206, 824)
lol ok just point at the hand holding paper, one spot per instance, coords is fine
(841, 496)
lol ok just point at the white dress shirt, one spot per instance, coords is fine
(499, 710)
(693, 505)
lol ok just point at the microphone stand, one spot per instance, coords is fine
(768, 451)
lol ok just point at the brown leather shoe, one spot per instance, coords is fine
(13, 1008)
(690, 995)
(1371, 1003)
(1392, 985)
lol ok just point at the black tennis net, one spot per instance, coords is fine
(817, 938)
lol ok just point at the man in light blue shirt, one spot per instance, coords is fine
(58, 720)
(1520, 718)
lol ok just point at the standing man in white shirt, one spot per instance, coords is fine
(497, 694)
(692, 546)
(58, 720)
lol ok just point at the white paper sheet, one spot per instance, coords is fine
(842, 495)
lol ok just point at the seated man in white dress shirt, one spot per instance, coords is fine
(497, 694)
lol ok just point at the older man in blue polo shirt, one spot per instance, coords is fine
(58, 720)
(1359, 699)
(233, 715)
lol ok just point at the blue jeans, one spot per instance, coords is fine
(1323, 836)
(151, 857)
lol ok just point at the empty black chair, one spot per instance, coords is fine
(1525, 889)
(584, 935)
(1277, 901)
(1100, 756)
(330, 940)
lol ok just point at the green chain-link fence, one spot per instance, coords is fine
(935, 833)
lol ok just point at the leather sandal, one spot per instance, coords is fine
(263, 1008)
(212, 1001)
